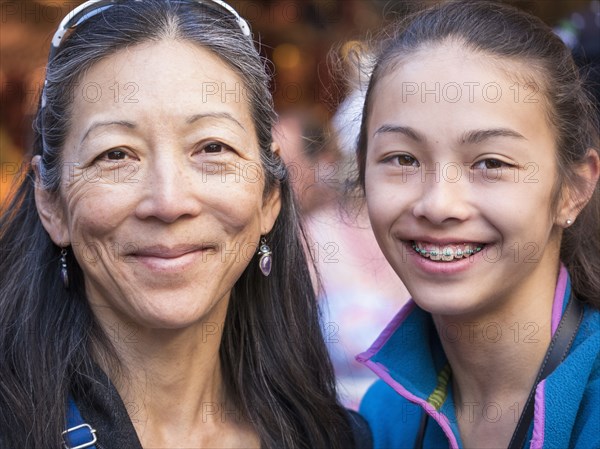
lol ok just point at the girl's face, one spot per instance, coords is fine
(162, 195)
(459, 178)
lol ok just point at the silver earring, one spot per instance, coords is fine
(64, 273)
(265, 257)
(569, 222)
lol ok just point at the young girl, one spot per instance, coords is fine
(478, 156)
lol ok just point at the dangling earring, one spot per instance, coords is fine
(64, 273)
(265, 257)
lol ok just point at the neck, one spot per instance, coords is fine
(174, 373)
(497, 353)
(495, 362)
(171, 382)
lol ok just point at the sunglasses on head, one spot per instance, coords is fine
(92, 7)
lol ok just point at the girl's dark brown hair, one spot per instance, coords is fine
(506, 33)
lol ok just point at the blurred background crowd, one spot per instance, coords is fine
(314, 47)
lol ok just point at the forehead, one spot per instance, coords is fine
(460, 87)
(169, 78)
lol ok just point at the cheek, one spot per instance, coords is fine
(389, 196)
(521, 212)
(95, 210)
(382, 205)
(235, 205)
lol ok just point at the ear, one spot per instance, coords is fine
(574, 199)
(272, 204)
(49, 209)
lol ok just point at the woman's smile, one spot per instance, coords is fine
(161, 259)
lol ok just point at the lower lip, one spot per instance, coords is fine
(439, 267)
(171, 264)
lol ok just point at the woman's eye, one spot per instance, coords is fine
(214, 147)
(116, 155)
(404, 160)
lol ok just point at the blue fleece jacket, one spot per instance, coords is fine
(409, 359)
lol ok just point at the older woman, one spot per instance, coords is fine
(155, 290)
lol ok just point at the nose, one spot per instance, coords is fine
(443, 199)
(171, 191)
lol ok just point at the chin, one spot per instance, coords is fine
(175, 313)
(444, 302)
(167, 321)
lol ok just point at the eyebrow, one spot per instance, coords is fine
(191, 119)
(470, 137)
(221, 115)
(96, 125)
(407, 131)
(479, 135)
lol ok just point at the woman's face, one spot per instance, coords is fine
(461, 160)
(162, 199)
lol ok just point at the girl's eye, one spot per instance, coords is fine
(491, 164)
(403, 160)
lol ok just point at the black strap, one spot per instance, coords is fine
(557, 351)
(422, 428)
(363, 438)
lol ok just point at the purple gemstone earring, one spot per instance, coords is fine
(265, 257)
(64, 273)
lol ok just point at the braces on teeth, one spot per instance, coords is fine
(446, 254)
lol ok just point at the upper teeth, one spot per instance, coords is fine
(446, 252)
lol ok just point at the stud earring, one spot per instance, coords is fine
(265, 257)
(64, 273)
(569, 222)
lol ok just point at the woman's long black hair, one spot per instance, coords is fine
(275, 363)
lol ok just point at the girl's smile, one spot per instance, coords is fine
(446, 252)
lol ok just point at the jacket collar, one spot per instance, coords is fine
(408, 356)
